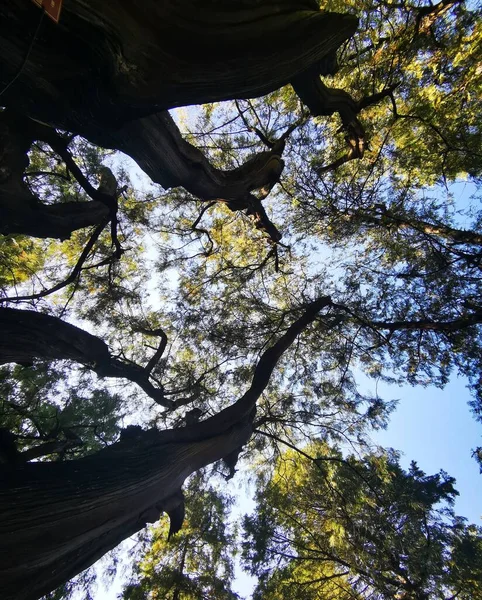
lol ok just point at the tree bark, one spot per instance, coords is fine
(107, 63)
(102, 72)
(59, 518)
(108, 69)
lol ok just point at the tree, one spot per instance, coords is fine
(334, 527)
(249, 299)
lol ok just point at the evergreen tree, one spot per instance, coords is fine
(332, 527)
(297, 226)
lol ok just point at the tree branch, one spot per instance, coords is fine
(26, 335)
(243, 408)
(430, 325)
(324, 101)
(21, 211)
(388, 217)
(48, 448)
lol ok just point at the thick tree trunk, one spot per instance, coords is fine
(102, 72)
(59, 518)
(108, 69)
(107, 63)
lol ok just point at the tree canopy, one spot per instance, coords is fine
(329, 527)
(299, 220)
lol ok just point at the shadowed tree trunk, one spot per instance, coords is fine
(108, 70)
(59, 518)
(107, 63)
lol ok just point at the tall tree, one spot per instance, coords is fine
(334, 527)
(249, 333)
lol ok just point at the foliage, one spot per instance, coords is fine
(374, 213)
(334, 527)
(20, 258)
(48, 419)
(197, 562)
(371, 233)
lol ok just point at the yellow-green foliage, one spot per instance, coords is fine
(20, 258)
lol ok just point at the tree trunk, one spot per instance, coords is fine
(107, 63)
(109, 69)
(102, 72)
(59, 518)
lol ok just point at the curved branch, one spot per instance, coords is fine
(195, 227)
(115, 102)
(21, 211)
(26, 335)
(23, 214)
(53, 447)
(123, 486)
(324, 101)
(388, 217)
(134, 479)
(462, 322)
(243, 409)
(160, 350)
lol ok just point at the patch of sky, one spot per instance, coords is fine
(435, 428)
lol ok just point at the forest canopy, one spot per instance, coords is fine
(186, 295)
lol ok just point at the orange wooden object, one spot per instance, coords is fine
(51, 7)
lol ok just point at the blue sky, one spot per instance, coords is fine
(435, 428)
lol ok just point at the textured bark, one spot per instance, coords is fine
(182, 164)
(59, 518)
(109, 68)
(322, 100)
(107, 71)
(107, 63)
(148, 139)
(26, 335)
